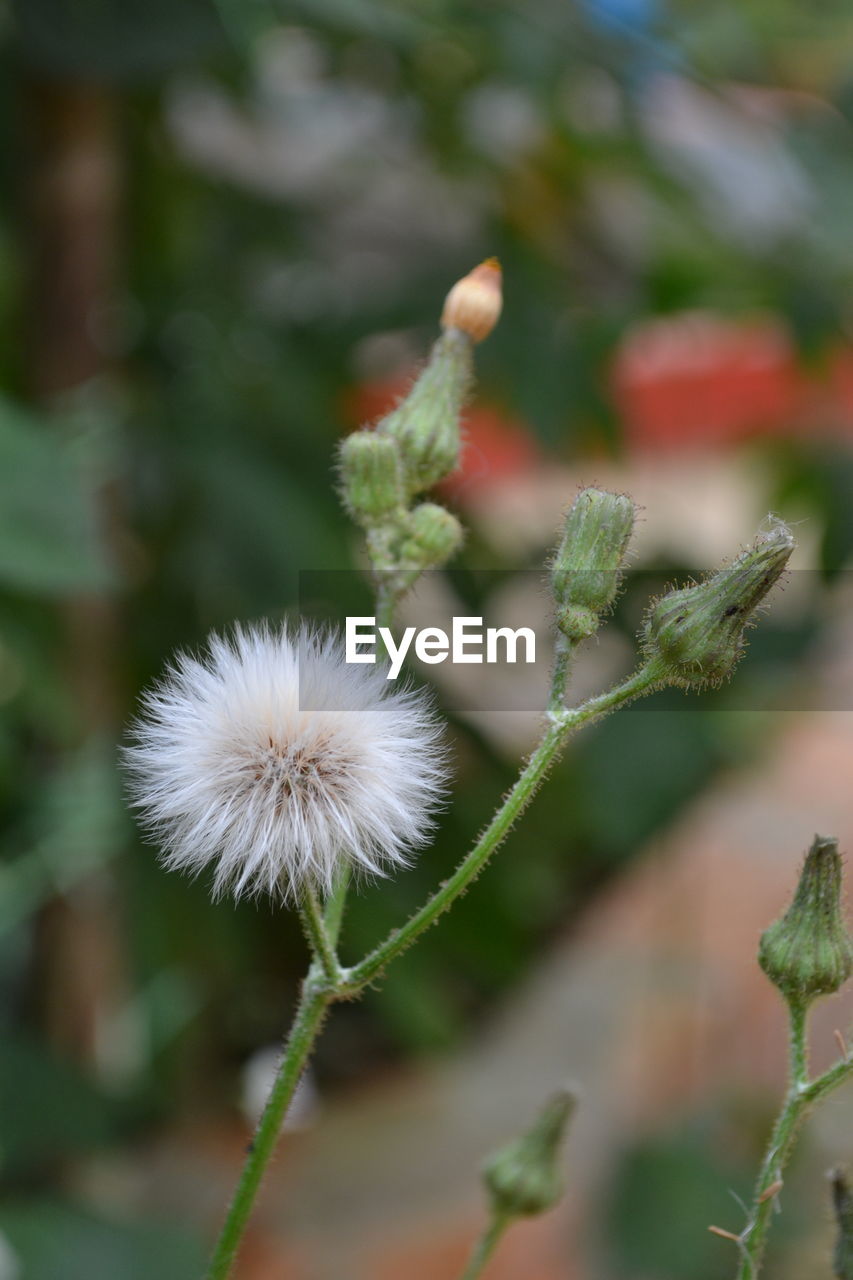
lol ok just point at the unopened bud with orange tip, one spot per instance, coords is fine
(474, 303)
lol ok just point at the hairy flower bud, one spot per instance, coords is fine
(371, 477)
(433, 536)
(425, 426)
(585, 570)
(523, 1178)
(474, 303)
(697, 634)
(809, 952)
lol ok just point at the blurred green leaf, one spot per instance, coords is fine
(48, 1107)
(78, 823)
(48, 541)
(56, 1241)
(666, 1193)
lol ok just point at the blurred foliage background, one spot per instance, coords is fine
(221, 227)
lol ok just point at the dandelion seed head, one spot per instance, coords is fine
(270, 760)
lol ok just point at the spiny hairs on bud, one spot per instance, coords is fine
(696, 635)
(272, 760)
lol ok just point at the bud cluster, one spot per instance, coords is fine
(383, 469)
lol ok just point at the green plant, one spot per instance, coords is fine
(271, 760)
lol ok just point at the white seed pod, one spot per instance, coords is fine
(270, 760)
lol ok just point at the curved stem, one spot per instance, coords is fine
(314, 1002)
(801, 1096)
(486, 1246)
(314, 924)
(526, 786)
(327, 982)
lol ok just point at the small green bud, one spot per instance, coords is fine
(523, 1179)
(425, 425)
(585, 570)
(842, 1200)
(809, 952)
(697, 633)
(371, 477)
(433, 535)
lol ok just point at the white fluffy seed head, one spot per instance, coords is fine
(271, 760)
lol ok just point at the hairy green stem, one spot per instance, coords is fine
(526, 786)
(387, 598)
(327, 982)
(334, 912)
(486, 1246)
(564, 652)
(798, 1044)
(314, 924)
(802, 1094)
(314, 1002)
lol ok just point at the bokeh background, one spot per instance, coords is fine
(225, 234)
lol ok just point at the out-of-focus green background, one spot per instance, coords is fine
(225, 232)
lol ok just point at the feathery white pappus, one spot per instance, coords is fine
(270, 759)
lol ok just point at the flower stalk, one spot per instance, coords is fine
(311, 1011)
(275, 762)
(806, 954)
(486, 1245)
(320, 993)
(643, 681)
(800, 1098)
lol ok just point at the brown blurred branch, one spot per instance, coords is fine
(72, 209)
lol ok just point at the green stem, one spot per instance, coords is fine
(802, 1094)
(486, 1246)
(387, 598)
(798, 1047)
(564, 652)
(526, 786)
(314, 1002)
(314, 924)
(327, 982)
(334, 912)
(830, 1080)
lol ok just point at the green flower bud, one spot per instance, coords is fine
(585, 571)
(697, 634)
(809, 952)
(371, 477)
(426, 425)
(523, 1179)
(843, 1204)
(433, 535)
